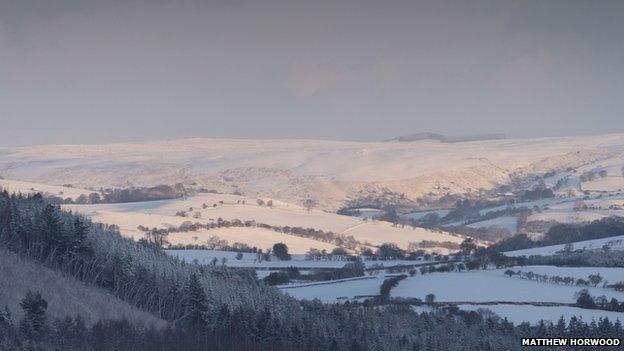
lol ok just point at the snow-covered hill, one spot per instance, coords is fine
(63, 192)
(293, 170)
(208, 208)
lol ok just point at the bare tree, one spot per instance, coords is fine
(595, 279)
(579, 205)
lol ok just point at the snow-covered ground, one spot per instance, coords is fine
(488, 286)
(287, 172)
(611, 183)
(505, 222)
(293, 170)
(614, 242)
(251, 260)
(254, 237)
(533, 314)
(337, 291)
(329, 172)
(161, 214)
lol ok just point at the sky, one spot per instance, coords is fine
(86, 71)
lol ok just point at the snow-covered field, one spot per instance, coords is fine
(610, 184)
(251, 260)
(161, 214)
(614, 242)
(488, 286)
(533, 314)
(259, 237)
(338, 291)
(506, 222)
(254, 237)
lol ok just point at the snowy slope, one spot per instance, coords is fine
(258, 237)
(254, 237)
(14, 186)
(338, 291)
(293, 170)
(161, 214)
(506, 222)
(612, 183)
(250, 260)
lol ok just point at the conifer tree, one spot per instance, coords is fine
(5, 316)
(50, 229)
(33, 326)
(78, 241)
(195, 304)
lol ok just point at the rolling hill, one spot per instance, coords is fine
(331, 172)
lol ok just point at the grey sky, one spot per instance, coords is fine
(98, 71)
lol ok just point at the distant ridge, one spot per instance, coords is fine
(448, 139)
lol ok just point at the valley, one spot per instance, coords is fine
(220, 215)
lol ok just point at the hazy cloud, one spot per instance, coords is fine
(97, 71)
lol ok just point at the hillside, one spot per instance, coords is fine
(332, 172)
(208, 208)
(212, 306)
(65, 296)
(63, 192)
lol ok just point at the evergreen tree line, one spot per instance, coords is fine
(36, 331)
(216, 307)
